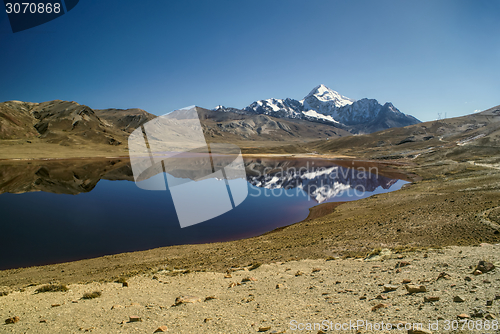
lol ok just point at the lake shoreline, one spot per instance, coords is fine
(406, 218)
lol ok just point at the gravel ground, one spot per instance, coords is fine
(277, 298)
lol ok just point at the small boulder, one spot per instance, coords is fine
(161, 329)
(412, 288)
(458, 299)
(431, 299)
(186, 299)
(390, 287)
(264, 329)
(484, 266)
(134, 318)
(463, 316)
(12, 320)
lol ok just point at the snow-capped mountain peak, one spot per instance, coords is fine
(325, 94)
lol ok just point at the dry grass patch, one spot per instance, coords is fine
(92, 295)
(52, 288)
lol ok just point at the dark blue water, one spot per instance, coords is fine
(117, 216)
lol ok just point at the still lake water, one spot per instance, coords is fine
(69, 210)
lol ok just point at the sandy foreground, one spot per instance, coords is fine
(279, 297)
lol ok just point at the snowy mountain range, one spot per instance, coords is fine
(328, 106)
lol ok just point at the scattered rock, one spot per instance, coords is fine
(264, 329)
(379, 306)
(299, 273)
(207, 320)
(490, 316)
(228, 276)
(55, 305)
(125, 284)
(248, 279)
(114, 307)
(406, 281)
(489, 302)
(134, 318)
(379, 255)
(458, 299)
(477, 313)
(12, 320)
(463, 316)
(315, 270)
(484, 266)
(43, 321)
(210, 298)
(431, 299)
(411, 288)
(444, 276)
(419, 331)
(161, 329)
(382, 297)
(468, 278)
(390, 287)
(477, 272)
(497, 297)
(279, 286)
(402, 264)
(186, 299)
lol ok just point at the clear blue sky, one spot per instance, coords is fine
(423, 56)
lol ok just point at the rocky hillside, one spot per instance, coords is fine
(228, 126)
(59, 122)
(69, 124)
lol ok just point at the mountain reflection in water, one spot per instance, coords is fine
(64, 210)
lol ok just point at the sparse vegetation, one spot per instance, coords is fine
(92, 295)
(52, 288)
